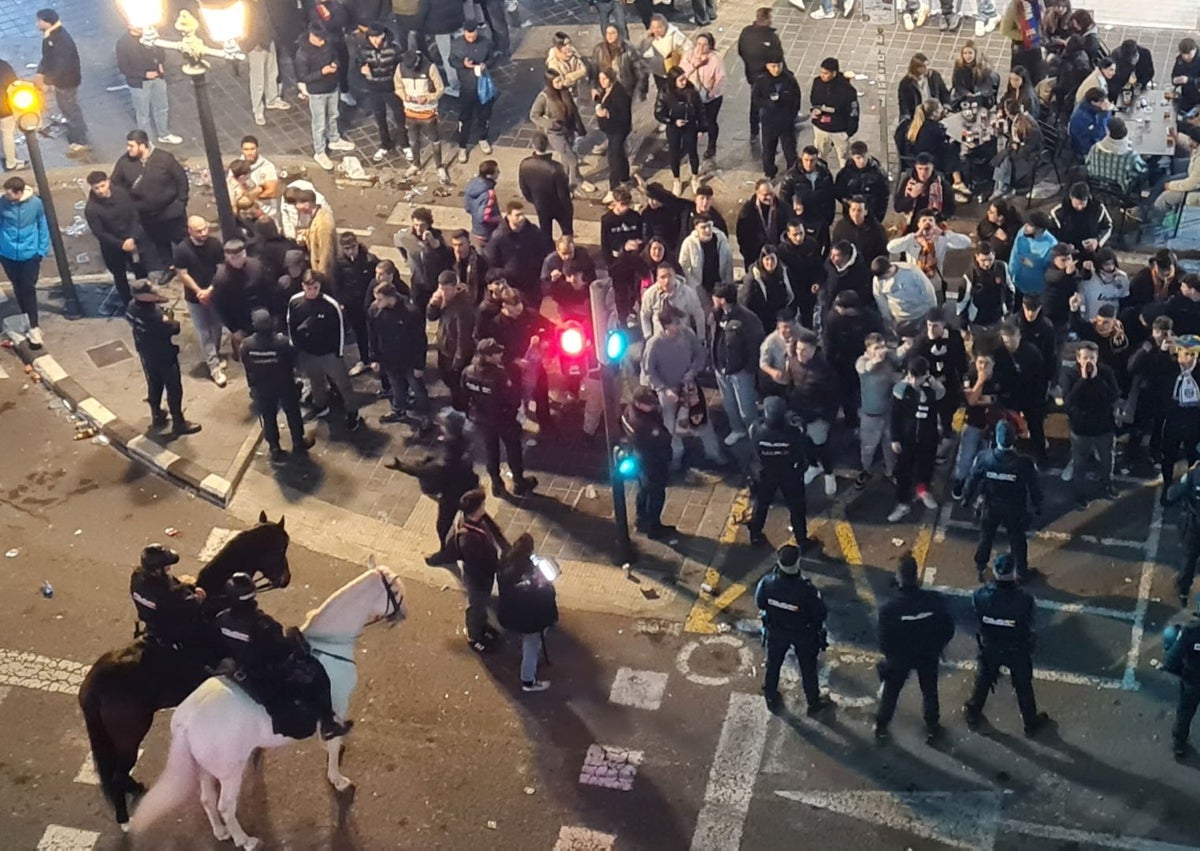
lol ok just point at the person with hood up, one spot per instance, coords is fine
(24, 241)
(114, 222)
(735, 334)
(928, 243)
(845, 269)
(812, 396)
(776, 97)
(903, 293)
(705, 256)
(518, 248)
(767, 288)
(834, 104)
(843, 334)
(420, 87)
(862, 176)
(527, 605)
(270, 364)
(923, 188)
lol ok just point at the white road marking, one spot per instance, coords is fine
(1143, 598)
(217, 538)
(683, 660)
(1052, 605)
(59, 838)
(582, 839)
(640, 689)
(735, 766)
(29, 670)
(610, 767)
(651, 626)
(1086, 837)
(87, 771)
(3, 373)
(930, 575)
(1055, 535)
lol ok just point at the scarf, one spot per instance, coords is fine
(1186, 393)
(1029, 21)
(935, 194)
(927, 260)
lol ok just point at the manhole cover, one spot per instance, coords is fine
(109, 353)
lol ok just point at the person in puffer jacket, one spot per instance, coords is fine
(528, 605)
(479, 199)
(24, 241)
(735, 334)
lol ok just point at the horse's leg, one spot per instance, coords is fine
(231, 787)
(126, 722)
(334, 770)
(209, 795)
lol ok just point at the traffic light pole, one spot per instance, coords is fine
(72, 309)
(212, 151)
(612, 426)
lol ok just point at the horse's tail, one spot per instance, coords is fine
(179, 779)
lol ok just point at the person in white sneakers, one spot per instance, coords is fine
(317, 73)
(419, 85)
(915, 436)
(142, 67)
(986, 17)
(826, 10)
(527, 604)
(24, 241)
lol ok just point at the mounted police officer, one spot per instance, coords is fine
(152, 332)
(172, 611)
(781, 453)
(793, 616)
(493, 400)
(914, 628)
(1006, 638)
(1187, 489)
(445, 475)
(1182, 645)
(276, 662)
(270, 364)
(1008, 482)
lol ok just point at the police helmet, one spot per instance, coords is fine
(240, 588)
(1170, 636)
(156, 557)
(1004, 567)
(1005, 435)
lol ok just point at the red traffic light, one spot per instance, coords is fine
(571, 339)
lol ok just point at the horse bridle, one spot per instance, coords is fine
(394, 603)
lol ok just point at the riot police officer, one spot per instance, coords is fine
(793, 615)
(152, 333)
(172, 611)
(1182, 645)
(780, 458)
(270, 364)
(1006, 638)
(266, 655)
(445, 475)
(1187, 489)
(493, 400)
(1008, 482)
(914, 628)
(643, 423)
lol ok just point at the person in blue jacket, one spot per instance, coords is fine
(24, 241)
(1031, 254)
(1089, 121)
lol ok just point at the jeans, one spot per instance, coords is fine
(379, 103)
(875, 432)
(324, 120)
(478, 598)
(119, 263)
(1082, 450)
(985, 9)
(564, 146)
(618, 159)
(531, 648)
(403, 382)
(469, 109)
(683, 141)
(705, 11)
(68, 105)
(712, 109)
(968, 448)
(318, 368)
(839, 143)
(264, 78)
(269, 404)
(23, 274)
(450, 74)
(612, 12)
(207, 323)
(150, 107)
(739, 399)
(893, 674)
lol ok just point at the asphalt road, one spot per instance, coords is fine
(449, 753)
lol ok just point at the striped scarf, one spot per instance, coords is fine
(1029, 20)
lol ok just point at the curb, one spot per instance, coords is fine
(122, 436)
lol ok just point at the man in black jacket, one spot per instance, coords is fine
(834, 104)
(451, 308)
(471, 55)
(238, 287)
(1024, 377)
(759, 223)
(735, 334)
(516, 328)
(376, 59)
(493, 400)
(793, 619)
(914, 628)
(469, 265)
(545, 185)
(643, 424)
(863, 175)
(114, 222)
(152, 333)
(1090, 393)
(620, 225)
(270, 364)
(801, 258)
(60, 68)
(844, 331)
(318, 70)
(398, 346)
(860, 227)
(1007, 482)
(158, 187)
(810, 181)
(476, 541)
(142, 67)
(354, 284)
(1082, 221)
(518, 248)
(756, 43)
(776, 97)
(316, 329)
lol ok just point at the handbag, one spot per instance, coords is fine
(485, 88)
(672, 60)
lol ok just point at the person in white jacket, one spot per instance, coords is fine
(669, 289)
(926, 247)
(1178, 186)
(289, 217)
(700, 270)
(903, 292)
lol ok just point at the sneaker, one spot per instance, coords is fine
(1068, 472)
(1040, 721)
(820, 14)
(525, 486)
(170, 139)
(927, 498)
(958, 491)
(535, 685)
(677, 187)
(219, 378)
(810, 475)
(260, 120)
(392, 417)
(944, 23)
(881, 734)
(861, 480)
(848, 8)
(980, 28)
(278, 456)
(661, 532)
(322, 159)
(443, 176)
(341, 145)
(411, 171)
(380, 155)
(932, 734)
(908, 22)
(587, 186)
(15, 165)
(182, 427)
(485, 146)
(462, 155)
(991, 24)
(280, 104)
(348, 99)
(799, 4)
(75, 149)
(353, 422)
(409, 155)
(36, 341)
(758, 539)
(733, 437)
(358, 369)
(695, 185)
(313, 413)
(830, 484)
(922, 16)
(901, 511)
(822, 703)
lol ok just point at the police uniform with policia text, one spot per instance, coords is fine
(793, 616)
(780, 458)
(1182, 646)
(1008, 483)
(153, 329)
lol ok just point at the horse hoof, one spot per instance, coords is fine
(342, 783)
(221, 834)
(124, 827)
(251, 843)
(134, 787)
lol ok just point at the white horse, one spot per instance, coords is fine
(218, 726)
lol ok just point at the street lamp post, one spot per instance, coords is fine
(225, 21)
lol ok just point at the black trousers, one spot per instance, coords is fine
(773, 137)
(681, 142)
(452, 378)
(1035, 418)
(119, 265)
(268, 403)
(712, 110)
(763, 493)
(648, 503)
(1191, 554)
(1189, 700)
(914, 466)
(755, 117)
(497, 21)
(1179, 438)
(705, 11)
(380, 102)
(1020, 667)
(163, 376)
(547, 216)
(508, 434)
(778, 644)
(163, 234)
(470, 109)
(618, 159)
(447, 510)
(1015, 526)
(893, 674)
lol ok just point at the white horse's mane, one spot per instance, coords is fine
(333, 605)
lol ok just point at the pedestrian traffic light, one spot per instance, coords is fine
(606, 324)
(25, 102)
(625, 463)
(615, 345)
(571, 339)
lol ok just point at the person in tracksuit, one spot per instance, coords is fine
(915, 436)
(793, 616)
(152, 333)
(270, 364)
(1008, 483)
(317, 330)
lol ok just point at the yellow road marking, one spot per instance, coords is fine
(920, 548)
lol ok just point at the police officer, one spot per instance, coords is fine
(914, 628)
(270, 364)
(793, 616)
(1187, 489)
(1008, 482)
(445, 475)
(780, 459)
(1182, 645)
(152, 332)
(171, 610)
(493, 399)
(1005, 638)
(260, 648)
(643, 424)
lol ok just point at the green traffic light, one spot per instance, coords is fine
(615, 345)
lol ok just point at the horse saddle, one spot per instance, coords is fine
(284, 697)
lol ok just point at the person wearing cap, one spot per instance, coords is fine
(782, 452)
(270, 364)
(915, 626)
(776, 97)
(1090, 395)
(493, 400)
(1006, 639)
(171, 611)
(1181, 645)
(317, 329)
(472, 56)
(915, 435)
(793, 618)
(1007, 484)
(903, 293)
(1107, 333)
(153, 329)
(834, 104)
(643, 425)
(419, 85)
(756, 43)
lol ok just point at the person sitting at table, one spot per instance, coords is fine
(920, 84)
(973, 76)
(1084, 25)
(924, 134)
(1089, 121)
(1100, 78)
(1020, 89)
(1113, 158)
(923, 188)
(1185, 76)
(1176, 187)
(1016, 159)
(1056, 24)
(1135, 67)
(1073, 68)
(1082, 221)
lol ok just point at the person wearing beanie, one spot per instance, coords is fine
(914, 628)
(781, 454)
(833, 101)
(793, 617)
(1007, 483)
(1006, 638)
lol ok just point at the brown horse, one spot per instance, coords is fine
(125, 687)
